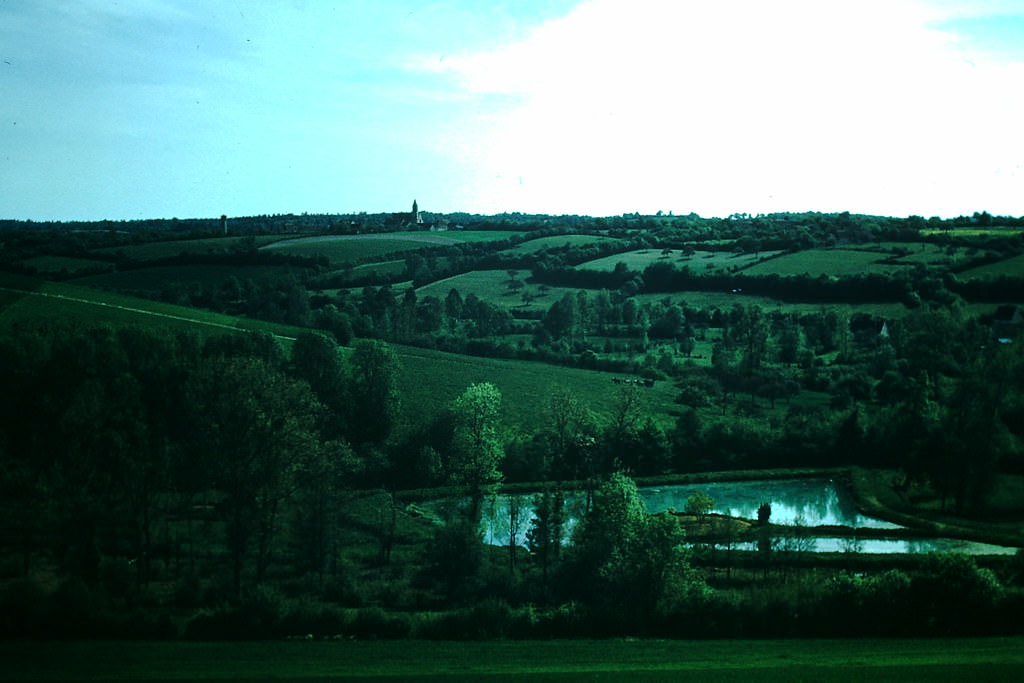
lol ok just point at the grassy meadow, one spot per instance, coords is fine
(556, 241)
(699, 262)
(576, 660)
(157, 279)
(491, 286)
(429, 380)
(342, 249)
(829, 262)
(1012, 267)
(150, 251)
(52, 265)
(28, 301)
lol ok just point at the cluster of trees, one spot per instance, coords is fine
(105, 432)
(109, 437)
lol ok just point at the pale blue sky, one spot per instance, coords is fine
(188, 108)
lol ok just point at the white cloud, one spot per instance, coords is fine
(747, 106)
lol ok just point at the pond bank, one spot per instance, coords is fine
(869, 491)
(873, 493)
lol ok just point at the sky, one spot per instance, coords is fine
(197, 108)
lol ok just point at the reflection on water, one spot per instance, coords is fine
(806, 502)
(811, 502)
(885, 546)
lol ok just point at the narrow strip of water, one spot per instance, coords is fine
(795, 502)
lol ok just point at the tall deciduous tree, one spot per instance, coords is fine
(257, 428)
(374, 392)
(544, 537)
(626, 560)
(478, 445)
(315, 359)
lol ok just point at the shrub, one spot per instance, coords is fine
(22, 605)
(373, 623)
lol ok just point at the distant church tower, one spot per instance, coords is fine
(416, 217)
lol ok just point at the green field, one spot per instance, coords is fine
(973, 232)
(1012, 267)
(924, 253)
(976, 659)
(482, 235)
(726, 300)
(158, 250)
(428, 379)
(835, 262)
(342, 249)
(699, 262)
(431, 379)
(56, 264)
(157, 279)
(388, 268)
(555, 241)
(491, 286)
(24, 300)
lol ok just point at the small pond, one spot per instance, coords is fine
(803, 502)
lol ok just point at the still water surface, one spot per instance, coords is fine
(805, 502)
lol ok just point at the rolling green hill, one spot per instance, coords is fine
(150, 251)
(27, 301)
(342, 249)
(154, 280)
(429, 379)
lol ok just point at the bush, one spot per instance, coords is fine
(311, 617)
(257, 617)
(188, 590)
(373, 623)
(22, 605)
(117, 576)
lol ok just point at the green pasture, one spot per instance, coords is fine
(167, 249)
(389, 268)
(973, 231)
(342, 249)
(924, 253)
(491, 286)
(482, 235)
(939, 659)
(157, 279)
(699, 262)
(1011, 267)
(726, 300)
(834, 262)
(430, 380)
(555, 241)
(56, 264)
(23, 300)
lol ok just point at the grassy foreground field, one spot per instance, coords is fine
(981, 659)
